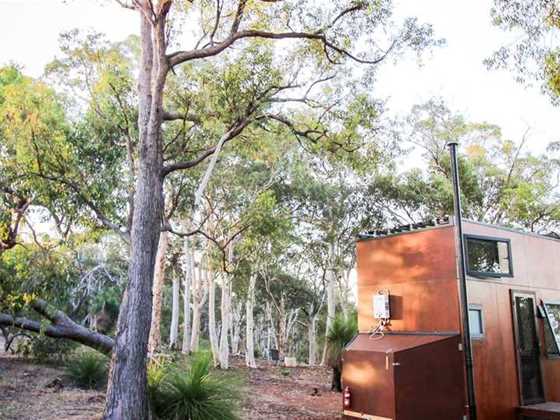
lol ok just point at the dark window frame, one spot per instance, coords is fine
(556, 338)
(489, 239)
(478, 308)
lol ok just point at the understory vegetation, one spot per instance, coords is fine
(188, 390)
(87, 369)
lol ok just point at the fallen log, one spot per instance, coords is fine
(61, 326)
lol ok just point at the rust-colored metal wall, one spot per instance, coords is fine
(419, 269)
(388, 377)
(535, 269)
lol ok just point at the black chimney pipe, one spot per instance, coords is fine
(463, 282)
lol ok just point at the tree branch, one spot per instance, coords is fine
(183, 56)
(62, 327)
(229, 135)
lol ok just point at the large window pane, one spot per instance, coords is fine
(488, 256)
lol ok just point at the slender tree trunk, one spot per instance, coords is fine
(157, 291)
(312, 337)
(199, 296)
(188, 273)
(249, 337)
(127, 387)
(195, 333)
(225, 312)
(291, 320)
(175, 310)
(331, 298)
(271, 341)
(212, 318)
(281, 333)
(236, 319)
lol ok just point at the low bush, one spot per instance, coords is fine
(43, 349)
(191, 391)
(88, 369)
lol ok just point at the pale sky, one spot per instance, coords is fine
(30, 28)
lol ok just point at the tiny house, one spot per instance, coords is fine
(407, 361)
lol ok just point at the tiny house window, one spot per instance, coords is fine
(488, 257)
(552, 328)
(476, 324)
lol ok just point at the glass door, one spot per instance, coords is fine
(527, 346)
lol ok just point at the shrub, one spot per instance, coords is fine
(190, 391)
(44, 349)
(88, 369)
(340, 333)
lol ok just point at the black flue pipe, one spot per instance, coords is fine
(467, 345)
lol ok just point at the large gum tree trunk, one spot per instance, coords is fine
(127, 387)
(159, 279)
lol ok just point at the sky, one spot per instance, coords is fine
(455, 72)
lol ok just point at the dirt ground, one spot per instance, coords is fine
(30, 391)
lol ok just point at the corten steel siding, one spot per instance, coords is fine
(536, 268)
(419, 270)
(405, 377)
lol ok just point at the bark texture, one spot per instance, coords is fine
(154, 340)
(127, 387)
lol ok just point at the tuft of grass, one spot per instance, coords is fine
(285, 372)
(191, 391)
(88, 369)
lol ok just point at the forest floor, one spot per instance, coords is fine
(31, 391)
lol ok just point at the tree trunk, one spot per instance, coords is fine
(312, 337)
(281, 332)
(214, 346)
(175, 309)
(157, 291)
(225, 312)
(249, 337)
(271, 341)
(331, 298)
(127, 387)
(188, 272)
(199, 296)
(236, 319)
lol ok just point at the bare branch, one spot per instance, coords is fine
(229, 135)
(125, 4)
(183, 56)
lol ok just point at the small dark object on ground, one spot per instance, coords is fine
(56, 384)
(315, 392)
